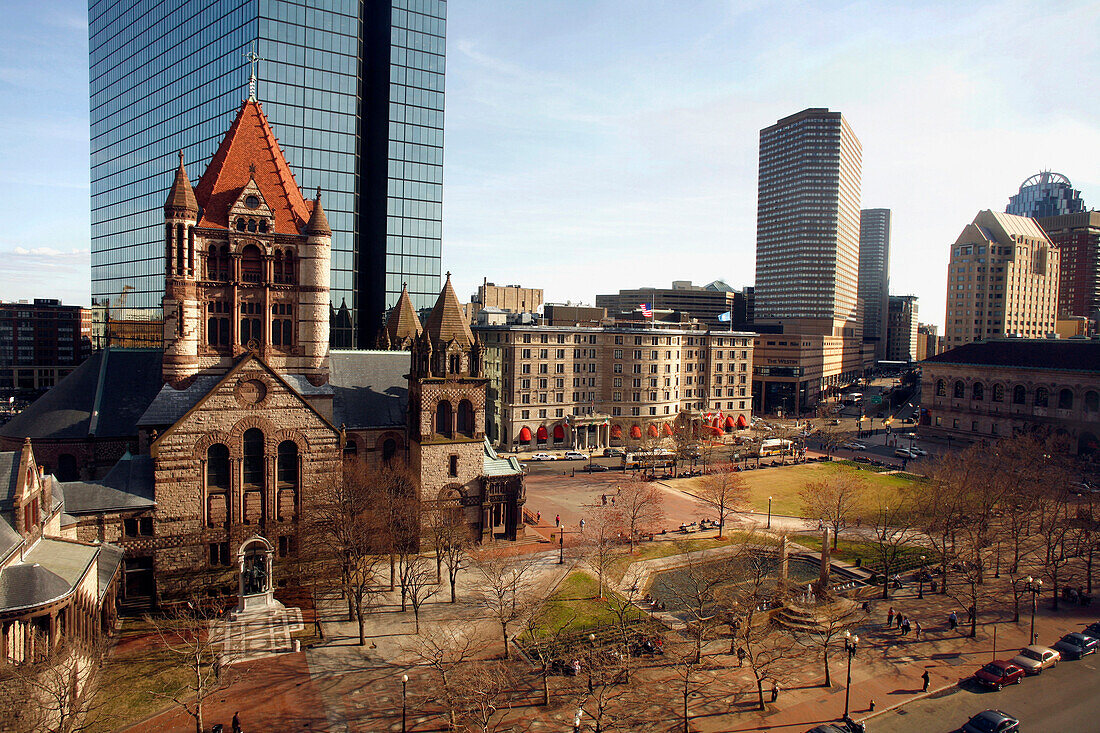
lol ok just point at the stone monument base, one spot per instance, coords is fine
(256, 603)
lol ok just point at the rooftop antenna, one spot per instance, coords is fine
(253, 59)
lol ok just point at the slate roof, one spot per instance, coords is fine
(181, 197)
(171, 404)
(402, 321)
(105, 396)
(250, 142)
(108, 562)
(370, 388)
(9, 477)
(1072, 355)
(448, 320)
(128, 485)
(48, 572)
(494, 465)
(9, 538)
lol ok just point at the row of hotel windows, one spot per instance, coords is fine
(1041, 397)
(562, 338)
(634, 411)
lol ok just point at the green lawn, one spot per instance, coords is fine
(866, 553)
(575, 606)
(783, 485)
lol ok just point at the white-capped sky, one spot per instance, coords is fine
(593, 145)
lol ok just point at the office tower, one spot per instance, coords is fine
(807, 222)
(355, 89)
(1077, 237)
(874, 276)
(40, 343)
(901, 334)
(708, 303)
(927, 340)
(1002, 279)
(1045, 194)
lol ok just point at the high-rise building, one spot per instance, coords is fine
(709, 303)
(807, 221)
(41, 342)
(928, 340)
(874, 276)
(901, 334)
(1077, 237)
(1045, 194)
(355, 88)
(1002, 279)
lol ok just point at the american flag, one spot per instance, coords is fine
(646, 310)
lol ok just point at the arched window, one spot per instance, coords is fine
(389, 449)
(287, 465)
(941, 388)
(253, 464)
(466, 418)
(1092, 401)
(1019, 394)
(443, 418)
(251, 264)
(456, 363)
(67, 468)
(263, 225)
(977, 392)
(217, 467)
(251, 225)
(212, 263)
(240, 224)
(960, 390)
(1065, 399)
(288, 267)
(998, 393)
(1042, 397)
(350, 449)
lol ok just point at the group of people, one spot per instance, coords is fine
(1076, 596)
(904, 625)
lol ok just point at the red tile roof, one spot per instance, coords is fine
(250, 142)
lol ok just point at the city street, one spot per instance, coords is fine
(1060, 699)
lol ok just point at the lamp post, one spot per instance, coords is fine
(591, 659)
(404, 684)
(561, 544)
(577, 720)
(920, 579)
(1034, 586)
(850, 644)
(769, 512)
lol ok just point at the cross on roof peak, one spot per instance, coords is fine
(253, 58)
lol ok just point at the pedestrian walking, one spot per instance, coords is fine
(582, 525)
(919, 629)
(953, 621)
(905, 627)
(890, 617)
(775, 691)
(557, 520)
(898, 619)
(236, 723)
(927, 680)
(741, 656)
(538, 517)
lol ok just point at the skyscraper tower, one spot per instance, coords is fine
(874, 276)
(356, 89)
(807, 218)
(1045, 194)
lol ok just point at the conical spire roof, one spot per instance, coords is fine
(181, 197)
(318, 222)
(402, 323)
(249, 150)
(448, 320)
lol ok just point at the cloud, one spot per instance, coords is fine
(50, 252)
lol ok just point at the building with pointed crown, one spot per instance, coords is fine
(402, 325)
(227, 438)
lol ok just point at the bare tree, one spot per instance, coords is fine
(487, 691)
(601, 536)
(57, 694)
(724, 491)
(187, 631)
(835, 499)
(450, 538)
(698, 593)
(832, 620)
(895, 531)
(502, 591)
(445, 650)
(418, 584)
(642, 508)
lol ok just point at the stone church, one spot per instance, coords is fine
(179, 456)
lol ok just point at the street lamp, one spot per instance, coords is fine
(561, 544)
(920, 579)
(1034, 586)
(769, 512)
(850, 644)
(404, 684)
(577, 720)
(591, 659)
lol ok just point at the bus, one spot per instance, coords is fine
(775, 447)
(852, 398)
(645, 460)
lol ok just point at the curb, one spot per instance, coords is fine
(920, 696)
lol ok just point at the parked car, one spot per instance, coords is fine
(593, 468)
(1075, 646)
(543, 457)
(575, 455)
(1092, 630)
(904, 453)
(918, 451)
(840, 727)
(1034, 659)
(613, 452)
(999, 673)
(991, 721)
(851, 445)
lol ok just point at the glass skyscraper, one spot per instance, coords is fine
(353, 89)
(874, 275)
(1045, 194)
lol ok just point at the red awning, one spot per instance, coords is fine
(635, 432)
(616, 431)
(653, 431)
(668, 429)
(542, 434)
(712, 429)
(524, 435)
(729, 421)
(559, 432)
(742, 422)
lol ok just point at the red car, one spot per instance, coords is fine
(998, 674)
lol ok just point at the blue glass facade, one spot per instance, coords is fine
(1045, 194)
(171, 76)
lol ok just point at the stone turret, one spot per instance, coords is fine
(402, 325)
(313, 324)
(182, 312)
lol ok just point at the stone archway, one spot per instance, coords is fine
(255, 586)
